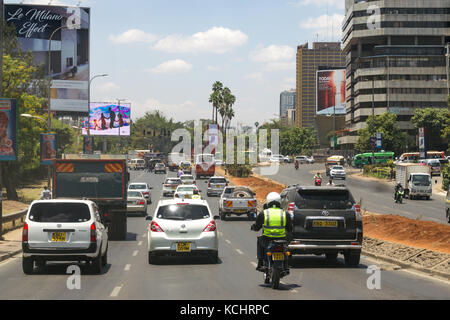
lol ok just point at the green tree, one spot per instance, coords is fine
(216, 97)
(294, 141)
(394, 139)
(434, 121)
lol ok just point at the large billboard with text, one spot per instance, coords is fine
(108, 119)
(330, 97)
(69, 49)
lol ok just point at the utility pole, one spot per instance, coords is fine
(447, 55)
(1, 95)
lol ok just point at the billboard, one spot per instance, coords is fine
(8, 130)
(88, 145)
(106, 119)
(69, 51)
(330, 93)
(48, 148)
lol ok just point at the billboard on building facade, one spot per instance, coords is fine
(330, 93)
(106, 119)
(8, 130)
(69, 57)
(48, 148)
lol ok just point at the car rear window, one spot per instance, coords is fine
(218, 180)
(137, 186)
(173, 181)
(60, 212)
(324, 199)
(183, 212)
(185, 189)
(135, 194)
(187, 177)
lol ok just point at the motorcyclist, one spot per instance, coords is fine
(196, 195)
(180, 172)
(318, 176)
(275, 223)
(398, 187)
(46, 194)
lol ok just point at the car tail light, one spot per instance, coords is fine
(166, 185)
(146, 193)
(93, 233)
(154, 227)
(25, 233)
(291, 208)
(140, 202)
(210, 227)
(358, 213)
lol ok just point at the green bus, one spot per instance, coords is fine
(360, 160)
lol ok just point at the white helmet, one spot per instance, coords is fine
(273, 197)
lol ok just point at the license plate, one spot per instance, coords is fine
(58, 237)
(183, 247)
(173, 188)
(277, 256)
(326, 224)
(240, 211)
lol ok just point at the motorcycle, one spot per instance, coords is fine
(318, 182)
(296, 165)
(276, 265)
(399, 196)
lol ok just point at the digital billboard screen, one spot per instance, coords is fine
(106, 119)
(330, 92)
(69, 51)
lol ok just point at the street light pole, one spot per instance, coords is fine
(89, 102)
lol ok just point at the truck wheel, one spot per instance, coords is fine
(27, 265)
(352, 258)
(428, 197)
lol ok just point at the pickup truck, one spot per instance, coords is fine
(326, 220)
(238, 201)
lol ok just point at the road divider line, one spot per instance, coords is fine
(139, 243)
(239, 251)
(127, 267)
(135, 252)
(116, 291)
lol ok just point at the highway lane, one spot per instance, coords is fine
(129, 276)
(376, 196)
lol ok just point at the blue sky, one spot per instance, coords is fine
(166, 54)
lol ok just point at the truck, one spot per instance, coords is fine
(237, 200)
(205, 165)
(101, 181)
(415, 178)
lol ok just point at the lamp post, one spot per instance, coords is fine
(89, 101)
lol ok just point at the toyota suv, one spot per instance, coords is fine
(64, 230)
(326, 220)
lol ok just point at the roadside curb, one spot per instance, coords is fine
(8, 255)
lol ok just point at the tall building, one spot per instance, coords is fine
(287, 101)
(395, 60)
(322, 54)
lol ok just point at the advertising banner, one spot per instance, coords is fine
(48, 148)
(88, 145)
(69, 51)
(330, 94)
(106, 119)
(8, 130)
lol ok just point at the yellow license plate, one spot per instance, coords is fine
(326, 224)
(58, 237)
(240, 211)
(277, 256)
(183, 247)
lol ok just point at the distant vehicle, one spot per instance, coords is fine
(186, 166)
(277, 158)
(287, 159)
(326, 221)
(160, 167)
(170, 185)
(137, 164)
(64, 230)
(142, 187)
(190, 222)
(415, 178)
(265, 155)
(333, 161)
(447, 206)
(187, 179)
(337, 172)
(362, 159)
(435, 165)
(136, 202)
(185, 191)
(311, 160)
(174, 160)
(303, 159)
(237, 200)
(205, 165)
(415, 156)
(216, 185)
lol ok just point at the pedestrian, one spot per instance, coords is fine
(46, 194)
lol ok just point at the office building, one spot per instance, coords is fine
(287, 101)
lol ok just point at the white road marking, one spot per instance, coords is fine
(116, 291)
(239, 251)
(254, 264)
(127, 267)
(227, 241)
(144, 235)
(220, 233)
(139, 243)
(135, 252)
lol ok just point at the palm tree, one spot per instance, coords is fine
(229, 114)
(227, 107)
(216, 97)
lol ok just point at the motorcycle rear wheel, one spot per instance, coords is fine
(275, 278)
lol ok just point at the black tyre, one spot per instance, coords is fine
(331, 257)
(448, 216)
(428, 197)
(275, 278)
(105, 258)
(27, 265)
(96, 264)
(352, 258)
(40, 264)
(266, 278)
(250, 216)
(151, 258)
(215, 257)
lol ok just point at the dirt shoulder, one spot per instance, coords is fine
(10, 207)
(420, 234)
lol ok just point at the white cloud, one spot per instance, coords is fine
(320, 3)
(273, 53)
(108, 86)
(177, 111)
(172, 66)
(279, 66)
(214, 40)
(289, 83)
(259, 76)
(133, 36)
(325, 26)
(214, 68)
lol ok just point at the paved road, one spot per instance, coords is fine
(376, 196)
(129, 276)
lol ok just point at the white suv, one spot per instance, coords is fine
(64, 230)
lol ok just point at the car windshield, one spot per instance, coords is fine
(134, 194)
(324, 199)
(421, 180)
(183, 212)
(137, 186)
(338, 168)
(218, 180)
(60, 212)
(187, 178)
(159, 165)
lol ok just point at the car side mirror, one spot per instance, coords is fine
(149, 218)
(216, 217)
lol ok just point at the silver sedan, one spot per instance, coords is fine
(136, 202)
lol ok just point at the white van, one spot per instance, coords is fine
(137, 164)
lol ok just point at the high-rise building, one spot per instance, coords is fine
(395, 60)
(322, 54)
(287, 101)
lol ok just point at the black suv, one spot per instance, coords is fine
(327, 221)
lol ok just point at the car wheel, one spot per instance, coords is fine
(223, 216)
(96, 264)
(331, 257)
(40, 264)
(428, 197)
(105, 257)
(27, 265)
(352, 258)
(151, 258)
